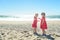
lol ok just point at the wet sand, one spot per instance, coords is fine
(22, 30)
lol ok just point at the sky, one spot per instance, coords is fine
(18, 7)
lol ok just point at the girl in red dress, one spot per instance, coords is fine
(43, 24)
(34, 24)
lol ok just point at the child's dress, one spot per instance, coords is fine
(44, 25)
(34, 24)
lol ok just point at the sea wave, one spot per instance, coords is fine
(53, 16)
(26, 18)
(6, 16)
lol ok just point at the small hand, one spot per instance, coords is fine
(38, 18)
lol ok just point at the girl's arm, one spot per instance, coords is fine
(42, 22)
(38, 19)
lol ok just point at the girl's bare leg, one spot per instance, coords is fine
(43, 32)
(34, 30)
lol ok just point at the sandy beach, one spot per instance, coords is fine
(22, 30)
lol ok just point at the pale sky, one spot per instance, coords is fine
(18, 7)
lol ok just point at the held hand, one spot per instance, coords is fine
(38, 18)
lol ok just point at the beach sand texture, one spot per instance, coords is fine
(18, 30)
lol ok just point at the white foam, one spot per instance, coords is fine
(25, 18)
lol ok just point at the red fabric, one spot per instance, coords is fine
(44, 25)
(34, 24)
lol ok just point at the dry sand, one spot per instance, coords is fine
(18, 30)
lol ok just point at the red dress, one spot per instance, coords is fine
(44, 25)
(34, 24)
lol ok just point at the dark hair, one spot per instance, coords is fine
(36, 13)
(42, 13)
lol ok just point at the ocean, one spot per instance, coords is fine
(27, 18)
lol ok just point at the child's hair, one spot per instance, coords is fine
(36, 13)
(43, 13)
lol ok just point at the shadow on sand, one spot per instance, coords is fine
(47, 36)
